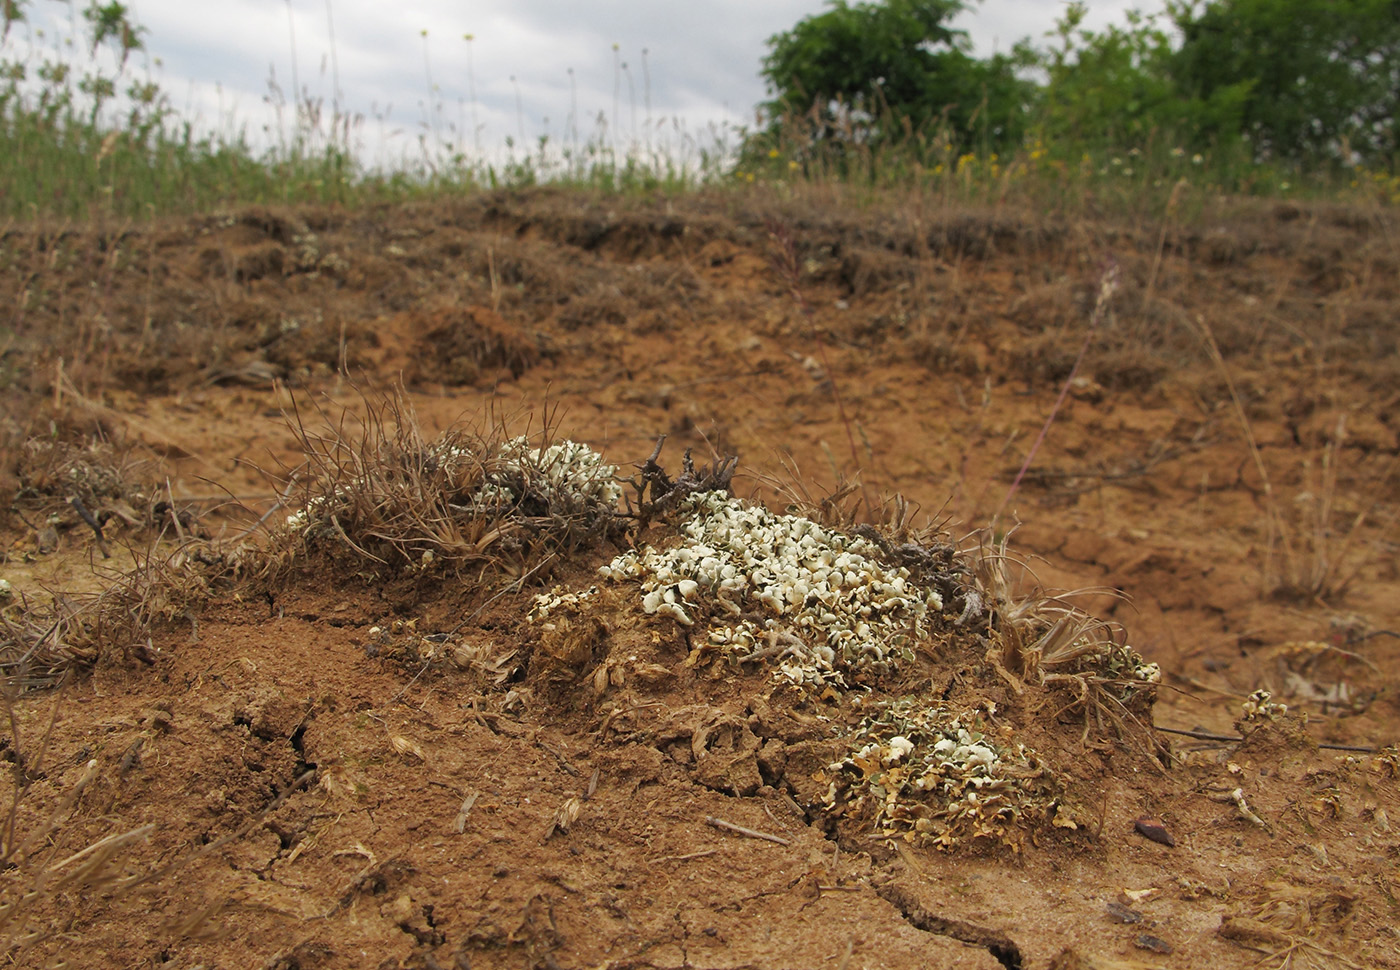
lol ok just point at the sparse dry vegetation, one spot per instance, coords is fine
(695, 594)
(383, 498)
(387, 540)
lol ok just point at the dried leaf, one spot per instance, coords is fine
(459, 824)
(653, 673)
(1146, 941)
(565, 817)
(406, 746)
(336, 781)
(1123, 914)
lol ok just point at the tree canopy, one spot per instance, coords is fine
(1310, 78)
(1303, 81)
(871, 70)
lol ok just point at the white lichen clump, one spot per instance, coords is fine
(570, 470)
(1260, 706)
(560, 598)
(303, 518)
(924, 774)
(813, 602)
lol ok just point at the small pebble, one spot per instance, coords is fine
(1123, 914)
(1153, 943)
(1153, 829)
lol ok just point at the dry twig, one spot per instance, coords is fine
(720, 823)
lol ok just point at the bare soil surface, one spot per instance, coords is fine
(273, 752)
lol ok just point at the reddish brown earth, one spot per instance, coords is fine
(323, 796)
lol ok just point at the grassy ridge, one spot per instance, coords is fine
(84, 137)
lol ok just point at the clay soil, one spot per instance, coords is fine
(331, 764)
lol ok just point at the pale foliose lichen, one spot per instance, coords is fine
(1260, 706)
(560, 598)
(1134, 676)
(1123, 661)
(927, 775)
(1108, 666)
(565, 470)
(812, 602)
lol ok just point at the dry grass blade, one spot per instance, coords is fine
(33, 874)
(1044, 638)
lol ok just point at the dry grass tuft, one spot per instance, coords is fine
(90, 484)
(1283, 922)
(387, 499)
(93, 485)
(41, 642)
(1306, 556)
(1042, 637)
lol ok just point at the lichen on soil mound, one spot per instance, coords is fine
(811, 618)
(364, 683)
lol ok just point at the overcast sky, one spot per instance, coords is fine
(691, 66)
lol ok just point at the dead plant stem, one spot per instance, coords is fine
(1272, 515)
(1167, 219)
(721, 824)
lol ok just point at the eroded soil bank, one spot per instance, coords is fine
(345, 762)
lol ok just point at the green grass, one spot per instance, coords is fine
(1061, 178)
(65, 164)
(84, 137)
(93, 138)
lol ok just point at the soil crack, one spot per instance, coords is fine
(907, 902)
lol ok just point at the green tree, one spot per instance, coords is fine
(1313, 79)
(1115, 89)
(876, 72)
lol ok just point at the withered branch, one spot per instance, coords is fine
(657, 494)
